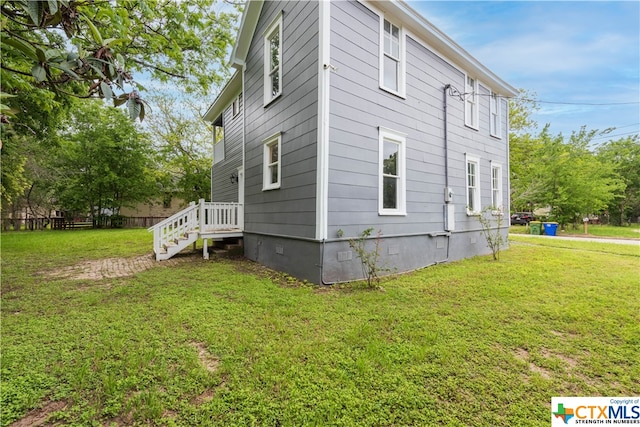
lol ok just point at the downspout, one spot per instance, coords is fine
(447, 191)
(244, 143)
(446, 140)
(322, 175)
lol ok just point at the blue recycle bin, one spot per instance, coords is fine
(550, 228)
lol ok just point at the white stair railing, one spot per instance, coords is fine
(175, 227)
(204, 217)
(221, 216)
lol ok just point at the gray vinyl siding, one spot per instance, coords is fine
(222, 189)
(289, 210)
(358, 107)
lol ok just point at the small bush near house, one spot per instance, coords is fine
(491, 220)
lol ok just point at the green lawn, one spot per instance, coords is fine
(626, 232)
(224, 342)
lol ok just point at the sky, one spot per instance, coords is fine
(568, 53)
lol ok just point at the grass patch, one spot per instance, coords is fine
(629, 232)
(216, 342)
(625, 232)
(602, 246)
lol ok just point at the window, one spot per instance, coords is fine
(496, 186)
(473, 185)
(392, 58)
(235, 106)
(392, 179)
(273, 61)
(271, 162)
(471, 103)
(494, 115)
(218, 141)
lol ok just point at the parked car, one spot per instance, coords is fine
(522, 218)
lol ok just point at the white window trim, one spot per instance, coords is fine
(495, 109)
(498, 205)
(400, 139)
(266, 176)
(469, 158)
(471, 95)
(235, 106)
(275, 25)
(401, 92)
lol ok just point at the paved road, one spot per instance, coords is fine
(635, 242)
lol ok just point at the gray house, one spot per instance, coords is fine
(354, 114)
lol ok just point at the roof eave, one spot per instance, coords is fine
(245, 33)
(226, 96)
(237, 60)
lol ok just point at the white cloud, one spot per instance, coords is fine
(585, 52)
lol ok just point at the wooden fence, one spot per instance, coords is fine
(32, 224)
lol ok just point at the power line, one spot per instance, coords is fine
(456, 93)
(625, 126)
(539, 101)
(453, 91)
(607, 136)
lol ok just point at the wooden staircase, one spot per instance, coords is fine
(206, 220)
(171, 248)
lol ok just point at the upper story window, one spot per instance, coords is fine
(495, 115)
(496, 186)
(218, 140)
(273, 61)
(473, 185)
(235, 105)
(271, 174)
(392, 174)
(471, 103)
(392, 61)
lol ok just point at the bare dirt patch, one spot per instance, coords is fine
(567, 360)
(39, 416)
(125, 420)
(523, 354)
(204, 397)
(209, 361)
(542, 371)
(563, 334)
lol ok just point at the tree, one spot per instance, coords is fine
(566, 176)
(523, 147)
(28, 141)
(103, 161)
(56, 50)
(91, 49)
(520, 110)
(555, 172)
(182, 143)
(624, 156)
